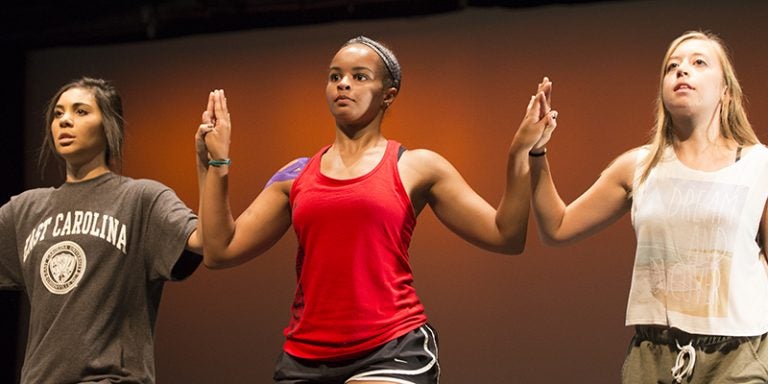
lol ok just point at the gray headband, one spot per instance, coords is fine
(389, 59)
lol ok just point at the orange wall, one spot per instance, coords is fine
(550, 315)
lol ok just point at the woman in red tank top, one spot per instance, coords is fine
(356, 317)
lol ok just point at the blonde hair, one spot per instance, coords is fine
(733, 116)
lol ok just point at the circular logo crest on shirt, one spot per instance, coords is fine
(62, 267)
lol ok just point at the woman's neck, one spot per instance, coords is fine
(700, 150)
(699, 142)
(359, 131)
(359, 142)
(352, 139)
(82, 172)
(351, 157)
(700, 128)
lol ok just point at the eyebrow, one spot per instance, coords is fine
(359, 68)
(76, 105)
(693, 54)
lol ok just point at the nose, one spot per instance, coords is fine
(343, 83)
(65, 120)
(682, 70)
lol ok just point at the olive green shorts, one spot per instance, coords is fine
(660, 355)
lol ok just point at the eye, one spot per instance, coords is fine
(334, 77)
(81, 112)
(361, 77)
(671, 66)
(699, 62)
(57, 113)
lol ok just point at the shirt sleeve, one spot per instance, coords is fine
(10, 266)
(169, 225)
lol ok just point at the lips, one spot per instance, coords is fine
(343, 98)
(66, 139)
(683, 86)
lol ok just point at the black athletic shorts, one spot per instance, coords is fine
(409, 359)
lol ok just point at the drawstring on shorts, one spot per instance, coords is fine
(688, 345)
(682, 369)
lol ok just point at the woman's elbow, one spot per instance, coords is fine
(511, 248)
(211, 263)
(222, 260)
(554, 241)
(514, 251)
(213, 260)
(516, 247)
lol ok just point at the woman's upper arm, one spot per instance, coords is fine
(195, 242)
(453, 201)
(260, 226)
(264, 222)
(602, 204)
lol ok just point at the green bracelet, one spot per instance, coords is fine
(219, 163)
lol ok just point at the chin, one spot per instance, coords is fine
(63, 153)
(345, 118)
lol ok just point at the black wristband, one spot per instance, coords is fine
(537, 154)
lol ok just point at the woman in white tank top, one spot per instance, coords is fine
(696, 192)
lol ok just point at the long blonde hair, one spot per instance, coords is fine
(733, 117)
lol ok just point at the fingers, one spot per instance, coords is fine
(208, 114)
(203, 130)
(540, 104)
(544, 106)
(216, 108)
(546, 87)
(545, 128)
(539, 121)
(206, 119)
(529, 108)
(224, 103)
(213, 134)
(220, 105)
(539, 107)
(550, 122)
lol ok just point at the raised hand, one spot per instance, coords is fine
(216, 127)
(205, 126)
(545, 87)
(540, 120)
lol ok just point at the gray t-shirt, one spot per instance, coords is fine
(92, 258)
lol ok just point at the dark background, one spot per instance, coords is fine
(551, 315)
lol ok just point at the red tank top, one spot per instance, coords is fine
(355, 284)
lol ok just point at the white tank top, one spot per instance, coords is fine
(698, 266)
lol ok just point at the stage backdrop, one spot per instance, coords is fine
(550, 315)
